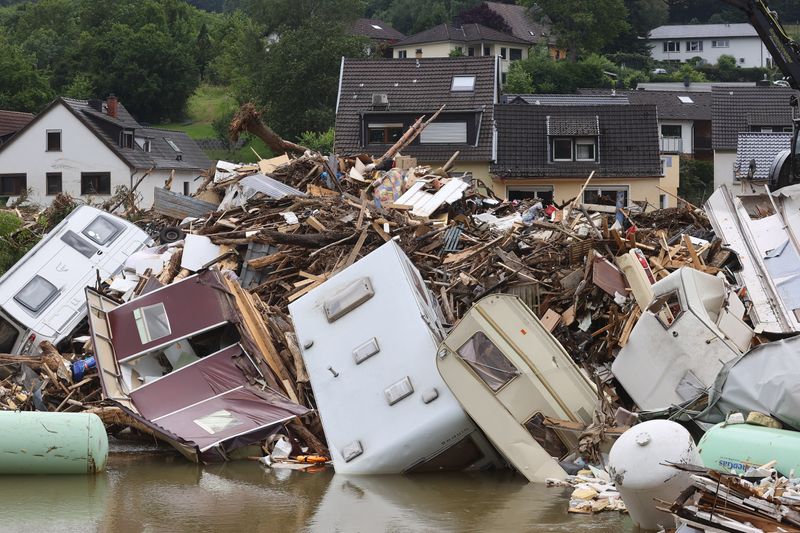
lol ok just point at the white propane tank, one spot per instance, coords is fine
(636, 464)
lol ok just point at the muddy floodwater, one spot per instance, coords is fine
(146, 491)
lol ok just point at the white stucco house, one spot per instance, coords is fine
(88, 149)
(709, 41)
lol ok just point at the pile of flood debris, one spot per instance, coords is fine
(305, 284)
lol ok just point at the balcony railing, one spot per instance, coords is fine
(672, 145)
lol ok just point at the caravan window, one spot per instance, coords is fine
(151, 322)
(546, 436)
(667, 308)
(8, 336)
(79, 244)
(103, 230)
(36, 294)
(488, 361)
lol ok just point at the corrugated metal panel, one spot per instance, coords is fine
(179, 206)
(444, 133)
(269, 186)
(425, 204)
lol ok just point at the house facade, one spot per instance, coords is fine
(738, 110)
(379, 99)
(709, 41)
(549, 151)
(88, 149)
(684, 118)
(470, 40)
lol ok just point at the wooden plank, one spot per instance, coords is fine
(357, 248)
(179, 206)
(696, 262)
(316, 224)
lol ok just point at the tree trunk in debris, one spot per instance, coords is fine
(408, 137)
(247, 119)
(310, 240)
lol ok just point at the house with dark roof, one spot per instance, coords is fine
(380, 98)
(549, 150)
(684, 118)
(11, 122)
(524, 26)
(382, 35)
(90, 148)
(470, 40)
(680, 43)
(736, 110)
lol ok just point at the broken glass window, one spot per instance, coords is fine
(488, 361)
(151, 322)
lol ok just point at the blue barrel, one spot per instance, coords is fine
(80, 367)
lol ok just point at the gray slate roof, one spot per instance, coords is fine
(738, 109)
(161, 155)
(695, 86)
(628, 141)
(761, 147)
(383, 31)
(697, 31)
(600, 98)
(419, 87)
(521, 23)
(668, 103)
(465, 34)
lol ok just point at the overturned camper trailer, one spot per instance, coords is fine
(369, 337)
(768, 248)
(182, 361)
(690, 330)
(510, 374)
(42, 295)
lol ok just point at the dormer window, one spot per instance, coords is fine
(463, 83)
(573, 149)
(126, 138)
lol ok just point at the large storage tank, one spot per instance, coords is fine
(637, 464)
(52, 443)
(737, 447)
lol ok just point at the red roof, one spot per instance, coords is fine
(13, 121)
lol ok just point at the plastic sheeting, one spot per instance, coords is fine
(765, 379)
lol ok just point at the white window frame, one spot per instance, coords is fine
(536, 189)
(694, 46)
(462, 84)
(672, 46)
(720, 43)
(402, 54)
(47, 141)
(571, 148)
(585, 141)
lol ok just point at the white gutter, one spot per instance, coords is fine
(339, 92)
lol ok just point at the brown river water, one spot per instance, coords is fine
(144, 491)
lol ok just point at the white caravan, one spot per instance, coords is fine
(42, 296)
(369, 337)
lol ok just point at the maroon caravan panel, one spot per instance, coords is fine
(234, 413)
(199, 381)
(192, 305)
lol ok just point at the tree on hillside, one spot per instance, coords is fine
(414, 16)
(203, 50)
(296, 79)
(481, 14)
(583, 26)
(22, 87)
(278, 15)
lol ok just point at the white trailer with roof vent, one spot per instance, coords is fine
(369, 337)
(42, 295)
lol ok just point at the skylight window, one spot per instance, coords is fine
(463, 83)
(376, 26)
(172, 144)
(686, 99)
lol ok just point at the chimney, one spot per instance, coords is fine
(111, 106)
(419, 53)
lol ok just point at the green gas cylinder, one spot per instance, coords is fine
(737, 447)
(52, 443)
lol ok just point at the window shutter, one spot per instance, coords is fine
(444, 133)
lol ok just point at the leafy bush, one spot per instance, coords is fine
(321, 141)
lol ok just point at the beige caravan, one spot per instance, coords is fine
(509, 373)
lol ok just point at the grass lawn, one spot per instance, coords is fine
(793, 30)
(204, 106)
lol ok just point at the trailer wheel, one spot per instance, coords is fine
(170, 234)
